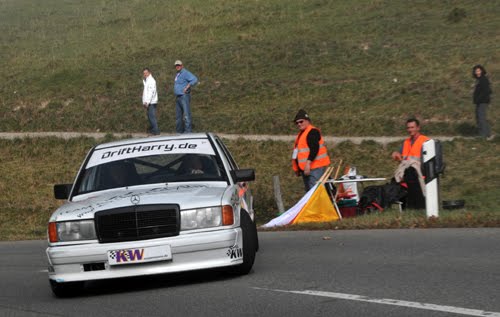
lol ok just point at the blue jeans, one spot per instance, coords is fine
(183, 123)
(153, 129)
(314, 176)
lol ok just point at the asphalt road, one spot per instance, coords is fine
(429, 272)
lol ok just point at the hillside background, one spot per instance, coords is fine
(358, 67)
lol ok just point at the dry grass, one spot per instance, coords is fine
(359, 67)
(30, 168)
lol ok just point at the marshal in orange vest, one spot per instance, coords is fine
(413, 151)
(299, 163)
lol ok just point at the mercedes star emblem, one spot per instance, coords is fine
(135, 199)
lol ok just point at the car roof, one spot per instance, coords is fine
(186, 136)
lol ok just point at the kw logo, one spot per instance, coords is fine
(234, 252)
(128, 255)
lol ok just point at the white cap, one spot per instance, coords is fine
(178, 62)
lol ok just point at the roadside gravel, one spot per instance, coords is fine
(253, 137)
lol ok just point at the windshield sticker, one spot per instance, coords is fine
(83, 211)
(117, 153)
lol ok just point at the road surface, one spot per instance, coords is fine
(419, 272)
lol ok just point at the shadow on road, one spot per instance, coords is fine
(143, 283)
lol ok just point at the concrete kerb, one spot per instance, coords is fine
(384, 140)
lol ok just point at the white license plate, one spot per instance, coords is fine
(139, 255)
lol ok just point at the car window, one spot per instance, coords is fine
(165, 168)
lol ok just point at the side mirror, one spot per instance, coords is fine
(61, 191)
(243, 175)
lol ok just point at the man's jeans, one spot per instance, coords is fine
(482, 122)
(152, 119)
(314, 176)
(183, 114)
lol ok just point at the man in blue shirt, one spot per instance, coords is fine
(183, 82)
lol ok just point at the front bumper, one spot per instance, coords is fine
(193, 251)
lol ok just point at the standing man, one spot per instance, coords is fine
(150, 100)
(410, 156)
(183, 82)
(310, 156)
(481, 98)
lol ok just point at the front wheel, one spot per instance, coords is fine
(67, 289)
(250, 245)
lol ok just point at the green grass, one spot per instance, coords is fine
(393, 219)
(358, 67)
(30, 168)
(76, 65)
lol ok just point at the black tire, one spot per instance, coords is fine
(68, 289)
(250, 245)
(453, 204)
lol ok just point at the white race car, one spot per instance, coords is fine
(152, 206)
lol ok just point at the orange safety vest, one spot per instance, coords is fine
(413, 152)
(302, 150)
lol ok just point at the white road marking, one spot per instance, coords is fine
(394, 302)
(44, 271)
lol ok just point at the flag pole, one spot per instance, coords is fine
(326, 174)
(335, 196)
(336, 175)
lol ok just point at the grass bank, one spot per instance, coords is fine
(359, 67)
(30, 168)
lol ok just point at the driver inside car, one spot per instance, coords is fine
(192, 164)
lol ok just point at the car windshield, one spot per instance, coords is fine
(164, 168)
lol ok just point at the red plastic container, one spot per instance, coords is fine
(347, 212)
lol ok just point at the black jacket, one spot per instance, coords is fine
(482, 91)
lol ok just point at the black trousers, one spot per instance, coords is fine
(415, 198)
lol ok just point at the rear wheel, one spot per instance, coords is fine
(250, 245)
(67, 289)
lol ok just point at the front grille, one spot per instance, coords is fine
(137, 223)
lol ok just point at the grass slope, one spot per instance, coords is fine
(359, 67)
(30, 168)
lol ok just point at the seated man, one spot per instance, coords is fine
(410, 156)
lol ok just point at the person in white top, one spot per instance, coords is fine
(150, 100)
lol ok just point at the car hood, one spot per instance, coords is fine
(187, 196)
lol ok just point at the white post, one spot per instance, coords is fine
(431, 179)
(277, 194)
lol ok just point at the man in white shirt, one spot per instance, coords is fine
(150, 100)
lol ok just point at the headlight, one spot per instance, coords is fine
(201, 218)
(72, 231)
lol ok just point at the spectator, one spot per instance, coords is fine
(481, 98)
(410, 156)
(183, 82)
(310, 156)
(150, 100)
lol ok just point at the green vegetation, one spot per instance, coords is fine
(30, 168)
(359, 67)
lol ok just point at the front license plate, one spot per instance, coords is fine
(139, 255)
